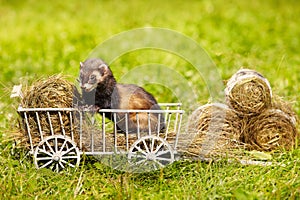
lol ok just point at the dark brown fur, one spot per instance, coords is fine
(100, 89)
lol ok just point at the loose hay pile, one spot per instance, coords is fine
(216, 131)
(248, 92)
(53, 92)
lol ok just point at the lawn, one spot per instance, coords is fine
(39, 39)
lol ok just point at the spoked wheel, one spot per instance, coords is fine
(56, 152)
(150, 153)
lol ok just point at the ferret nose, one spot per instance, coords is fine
(82, 86)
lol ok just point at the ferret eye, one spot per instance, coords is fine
(93, 77)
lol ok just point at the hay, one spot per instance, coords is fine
(251, 119)
(52, 92)
(273, 129)
(216, 130)
(248, 92)
(285, 106)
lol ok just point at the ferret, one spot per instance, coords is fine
(101, 90)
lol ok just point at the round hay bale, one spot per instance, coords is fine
(272, 130)
(248, 92)
(216, 130)
(52, 92)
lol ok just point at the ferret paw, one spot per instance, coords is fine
(93, 108)
(90, 108)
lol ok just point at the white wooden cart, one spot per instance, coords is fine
(61, 144)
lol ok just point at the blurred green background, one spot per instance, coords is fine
(42, 38)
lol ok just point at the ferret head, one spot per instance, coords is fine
(93, 72)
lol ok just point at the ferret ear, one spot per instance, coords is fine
(81, 65)
(104, 66)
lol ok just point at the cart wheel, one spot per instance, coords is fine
(56, 152)
(150, 153)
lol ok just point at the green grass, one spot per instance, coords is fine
(40, 39)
